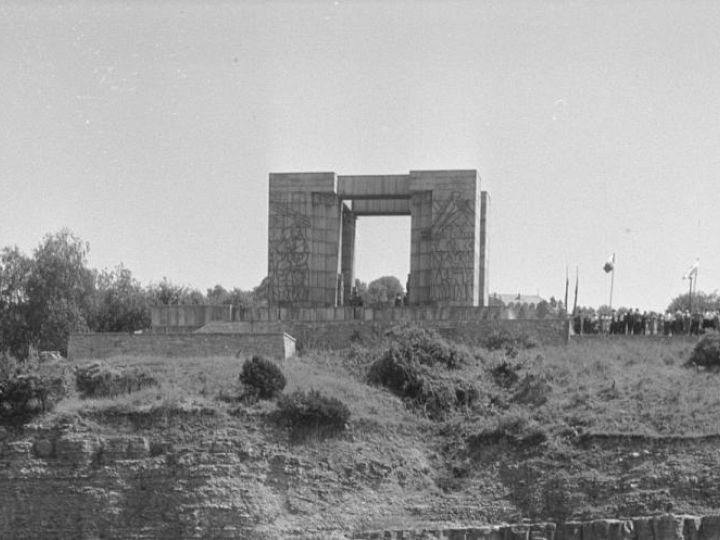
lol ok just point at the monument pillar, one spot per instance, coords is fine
(347, 265)
(303, 240)
(446, 246)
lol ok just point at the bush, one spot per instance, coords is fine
(509, 341)
(262, 377)
(707, 352)
(427, 347)
(25, 394)
(405, 376)
(98, 380)
(312, 412)
(514, 429)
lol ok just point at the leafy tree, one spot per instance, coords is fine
(59, 289)
(15, 332)
(167, 293)
(701, 301)
(236, 297)
(217, 295)
(260, 293)
(384, 290)
(120, 302)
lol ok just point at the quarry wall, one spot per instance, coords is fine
(665, 527)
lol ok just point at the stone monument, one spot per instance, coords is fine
(311, 235)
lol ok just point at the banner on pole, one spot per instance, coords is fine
(609, 265)
(692, 271)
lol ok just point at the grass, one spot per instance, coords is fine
(608, 386)
(519, 450)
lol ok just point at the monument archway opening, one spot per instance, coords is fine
(382, 248)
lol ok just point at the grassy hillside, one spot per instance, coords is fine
(598, 428)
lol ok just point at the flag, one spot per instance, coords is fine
(609, 265)
(692, 271)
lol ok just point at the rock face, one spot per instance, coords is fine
(666, 527)
(72, 484)
(197, 474)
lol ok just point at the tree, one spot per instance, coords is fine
(218, 295)
(383, 291)
(260, 293)
(236, 297)
(59, 289)
(15, 332)
(167, 293)
(701, 302)
(121, 304)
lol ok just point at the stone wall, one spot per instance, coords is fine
(188, 318)
(104, 345)
(340, 334)
(665, 527)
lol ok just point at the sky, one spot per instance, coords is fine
(149, 128)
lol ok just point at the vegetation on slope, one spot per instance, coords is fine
(594, 428)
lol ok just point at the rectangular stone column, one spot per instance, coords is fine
(484, 263)
(347, 265)
(303, 239)
(454, 235)
(420, 248)
(325, 259)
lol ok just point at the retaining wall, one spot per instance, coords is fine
(340, 334)
(665, 527)
(171, 317)
(104, 345)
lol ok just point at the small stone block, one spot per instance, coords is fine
(543, 531)
(643, 528)
(570, 530)
(691, 527)
(456, 534)
(43, 448)
(668, 527)
(619, 529)
(484, 533)
(710, 527)
(516, 532)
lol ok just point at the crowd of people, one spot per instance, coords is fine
(634, 322)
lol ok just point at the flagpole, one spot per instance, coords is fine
(567, 286)
(690, 295)
(577, 280)
(612, 282)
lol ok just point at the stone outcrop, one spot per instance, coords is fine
(664, 527)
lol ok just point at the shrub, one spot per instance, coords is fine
(98, 380)
(515, 429)
(405, 376)
(707, 352)
(262, 377)
(312, 412)
(427, 347)
(509, 341)
(505, 374)
(24, 394)
(532, 390)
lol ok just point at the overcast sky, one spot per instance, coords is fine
(149, 129)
